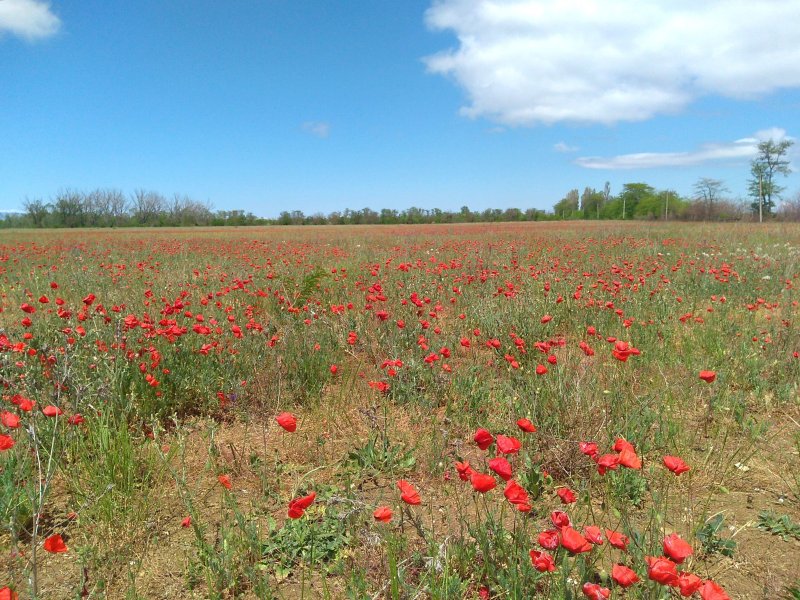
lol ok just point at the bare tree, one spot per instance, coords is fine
(148, 207)
(708, 191)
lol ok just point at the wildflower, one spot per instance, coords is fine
(708, 376)
(567, 495)
(624, 576)
(9, 419)
(383, 514)
(573, 541)
(548, 539)
(483, 438)
(508, 445)
(712, 591)
(594, 591)
(6, 593)
(55, 544)
(676, 548)
(464, 470)
(482, 483)
(298, 506)
(675, 464)
(542, 561)
(6, 442)
(502, 467)
(526, 426)
(607, 462)
(593, 534)
(559, 518)
(224, 481)
(689, 583)
(288, 421)
(187, 521)
(517, 495)
(617, 539)
(588, 448)
(408, 493)
(662, 570)
(52, 411)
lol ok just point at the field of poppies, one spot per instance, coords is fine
(446, 411)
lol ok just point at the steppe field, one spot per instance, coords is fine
(510, 411)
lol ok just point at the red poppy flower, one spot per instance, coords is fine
(621, 444)
(688, 584)
(559, 518)
(593, 534)
(607, 462)
(187, 521)
(662, 570)
(708, 376)
(617, 539)
(9, 419)
(482, 483)
(508, 445)
(517, 495)
(567, 495)
(677, 548)
(675, 464)
(595, 591)
(27, 308)
(624, 576)
(6, 593)
(712, 591)
(6, 442)
(548, 539)
(588, 448)
(408, 493)
(55, 545)
(288, 421)
(541, 370)
(502, 467)
(542, 561)
(526, 425)
(464, 470)
(483, 438)
(52, 411)
(298, 506)
(629, 459)
(224, 481)
(383, 514)
(89, 299)
(573, 541)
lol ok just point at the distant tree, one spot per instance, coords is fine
(69, 208)
(149, 208)
(36, 210)
(770, 161)
(631, 195)
(569, 206)
(707, 191)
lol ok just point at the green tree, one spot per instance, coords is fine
(631, 195)
(770, 161)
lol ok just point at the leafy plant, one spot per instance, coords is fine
(379, 455)
(782, 526)
(710, 540)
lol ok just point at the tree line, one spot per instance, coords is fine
(709, 201)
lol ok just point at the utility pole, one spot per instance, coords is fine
(666, 206)
(760, 199)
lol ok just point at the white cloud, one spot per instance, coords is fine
(30, 19)
(317, 128)
(745, 148)
(564, 147)
(526, 62)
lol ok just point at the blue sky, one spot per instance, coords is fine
(306, 105)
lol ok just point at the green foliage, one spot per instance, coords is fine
(781, 526)
(380, 456)
(710, 540)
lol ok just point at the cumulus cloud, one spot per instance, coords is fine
(527, 62)
(30, 19)
(317, 128)
(745, 148)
